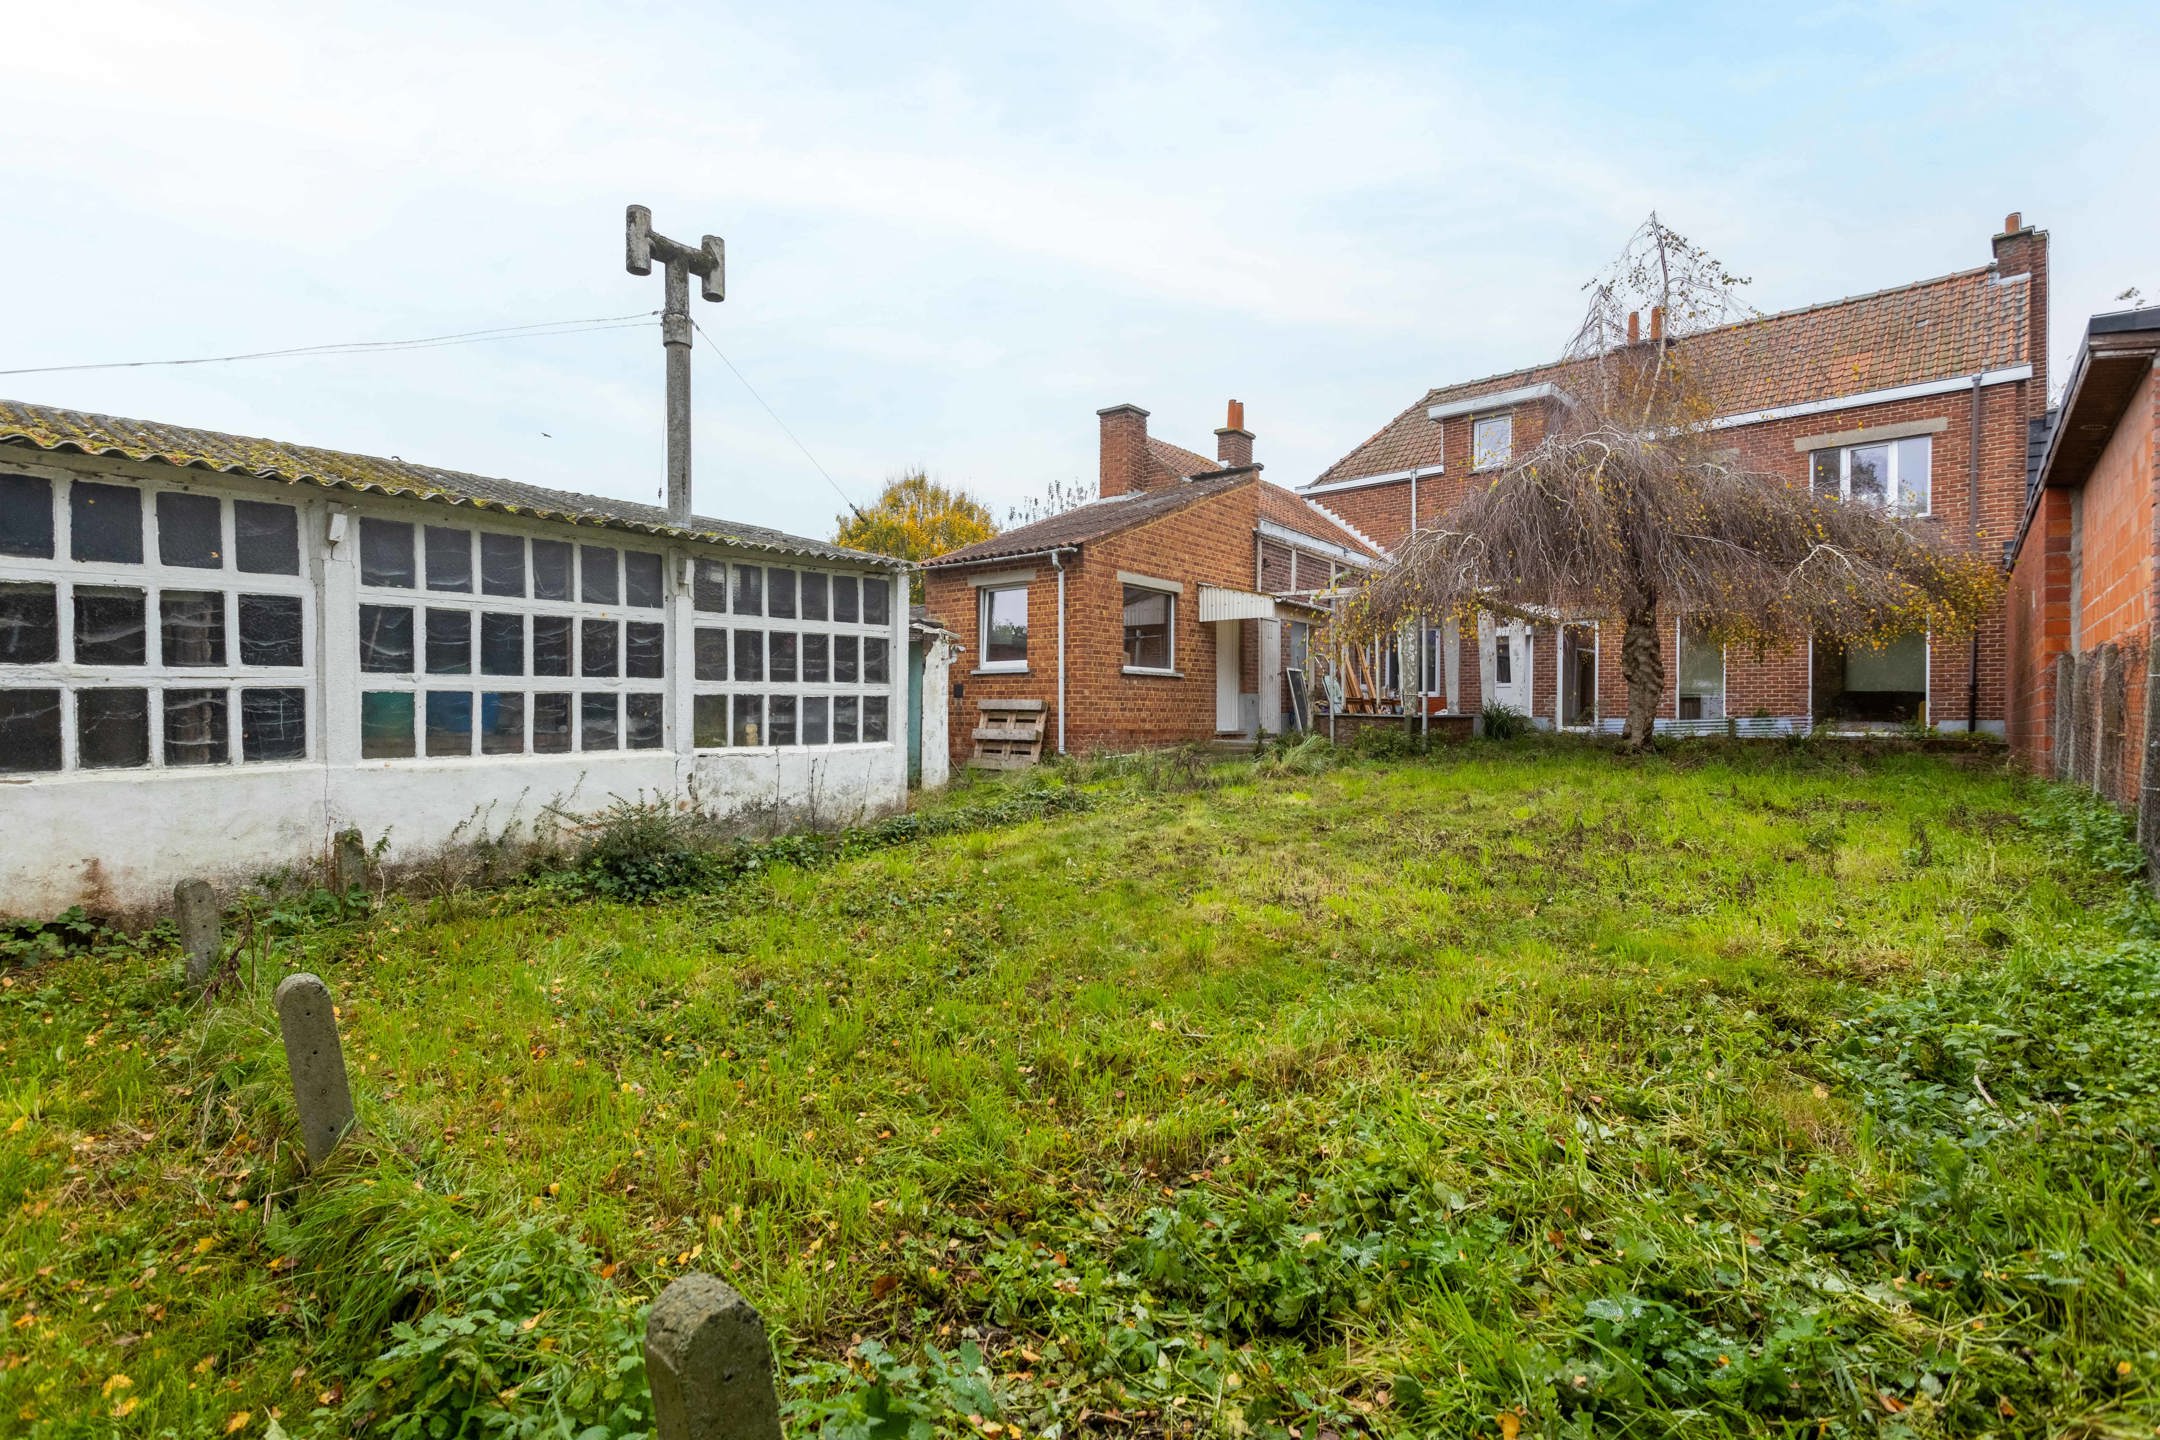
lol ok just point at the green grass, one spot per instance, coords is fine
(1743, 1090)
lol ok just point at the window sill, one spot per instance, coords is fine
(1148, 674)
(999, 670)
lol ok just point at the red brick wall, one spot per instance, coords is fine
(2116, 583)
(2037, 630)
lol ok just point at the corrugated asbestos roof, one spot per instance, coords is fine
(1953, 325)
(47, 427)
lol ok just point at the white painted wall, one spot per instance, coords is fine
(123, 838)
(938, 656)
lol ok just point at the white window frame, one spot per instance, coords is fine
(765, 624)
(1167, 588)
(1893, 498)
(985, 597)
(1482, 458)
(1680, 629)
(154, 578)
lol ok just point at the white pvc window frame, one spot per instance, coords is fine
(1680, 692)
(1894, 499)
(985, 602)
(1492, 440)
(1169, 591)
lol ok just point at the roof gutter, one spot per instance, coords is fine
(1949, 385)
(1048, 554)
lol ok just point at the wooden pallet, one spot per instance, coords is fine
(1010, 734)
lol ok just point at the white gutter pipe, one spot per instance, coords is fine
(1057, 562)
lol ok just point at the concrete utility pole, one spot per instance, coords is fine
(707, 261)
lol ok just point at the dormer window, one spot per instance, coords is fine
(1892, 474)
(1492, 441)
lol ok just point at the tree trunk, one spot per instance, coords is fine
(1642, 666)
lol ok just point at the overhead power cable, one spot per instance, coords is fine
(715, 345)
(536, 330)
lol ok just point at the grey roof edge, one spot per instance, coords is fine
(455, 487)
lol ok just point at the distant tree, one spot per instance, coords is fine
(1633, 508)
(1054, 499)
(914, 518)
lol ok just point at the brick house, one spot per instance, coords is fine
(1919, 395)
(1170, 608)
(2085, 567)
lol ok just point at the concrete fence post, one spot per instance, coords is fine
(352, 861)
(2148, 800)
(317, 1063)
(2065, 715)
(2108, 769)
(195, 911)
(709, 1364)
(2081, 730)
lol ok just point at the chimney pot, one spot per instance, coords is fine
(1237, 415)
(1634, 326)
(1657, 322)
(1233, 443)
(2013, 222)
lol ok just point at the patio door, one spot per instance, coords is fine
(1508, 661)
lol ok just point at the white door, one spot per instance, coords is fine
(1507, 665)
(1228, 682)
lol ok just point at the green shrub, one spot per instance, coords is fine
(1503, 722)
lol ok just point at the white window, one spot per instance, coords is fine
(1150, 629)
(793, 658)
(1492, 441)
(1894, 474)
(1701, 690)
(1004, 627)
(145, 627)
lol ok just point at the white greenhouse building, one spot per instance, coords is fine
(218, 652)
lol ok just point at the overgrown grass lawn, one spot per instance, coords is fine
(1522, 1090)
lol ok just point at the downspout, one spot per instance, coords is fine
(1972, 659)
(1057, 562)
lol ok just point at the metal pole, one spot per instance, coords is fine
(675, 339)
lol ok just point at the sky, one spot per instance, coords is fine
(956, 231)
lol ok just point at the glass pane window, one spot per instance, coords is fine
(814, 591)
(502, 564)
(551, 724)
(643, 726)
(844, 710)
(502, 723)
(645, 649)
(1147, 627)
(551, 645)
(1867, 474)
(780, 720)
(597, 726)
(708, 587)
(112, 729)
(644, 575)
(749, 726)
(1005, 627)
(875, 665)
(844, 602)
(111, 627)
(711, 653)
(598, 580)
(1503, 659)
(29, 731)
(783, 647)
(192, 627)
(817, 659)
(1492, 441)
(449, 722)
(30, 624)
(1701, 683)
(449, 558)
(599, 648)
(26, 516)
(1911, 463)
(195, 728)
(551, 567)
(191, 530)
(780, 593)
(749, 655)
(449, 642)
(816, 720)
(386, 553)
(270, 631)
(843, 660)
(273, 724)
(105, 523)
(708, 722)
(266, 537)
(502, 644)
(876, 600)
(386, 639)
(1824, 474)
(386, 724)
(875, 717)
(749, 590)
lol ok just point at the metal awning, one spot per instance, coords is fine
(1220, 604)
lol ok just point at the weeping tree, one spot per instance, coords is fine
(1634, 509)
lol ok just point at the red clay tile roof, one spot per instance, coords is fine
(1295, 512)
(1953, 325)
(1178, 463)
(1095, 519)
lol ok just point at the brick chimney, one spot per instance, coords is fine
(2022, 250)
(1125, 467)
(1233, 443)
(1657, 322)
(1634, 327)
